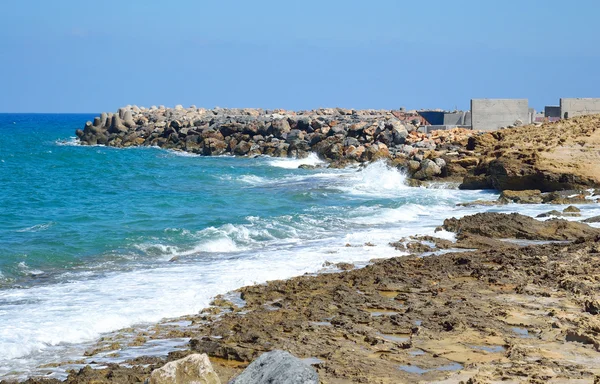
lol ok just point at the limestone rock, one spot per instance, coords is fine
(427, 169)
(193, 369)
(277, 367)
(521, 197)
(517, 226)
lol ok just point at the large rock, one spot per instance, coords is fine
(517, 226)
(193, 369)
(555, 156)
(277, 367)
(280, 128)
(427, 169)
(521, 197)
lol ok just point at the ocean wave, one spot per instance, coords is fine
(72, 141)
(37, 227)
(293, 163)
(253, 180)
(376, 179)
(25, 269)
(182, 153)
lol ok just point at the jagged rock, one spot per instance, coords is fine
(279, 128)
(521, 197)
(242, 148)
(571, 209)
(593, 219)
(427, 169)
(277, 367)
(193, 369)
(501, 225)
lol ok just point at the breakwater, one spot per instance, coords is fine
(339, 136)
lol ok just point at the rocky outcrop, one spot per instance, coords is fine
(338, 136)
(517, 226)
(553, 156)
(277, 367)
(193, 369)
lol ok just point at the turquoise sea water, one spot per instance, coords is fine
(94, 239)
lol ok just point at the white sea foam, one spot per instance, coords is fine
(182, 153)
(253, 180)
(72, 141)
(376, 179)
(292, 163)
(45, 323)
(37, 227)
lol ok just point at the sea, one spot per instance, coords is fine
(94, 239)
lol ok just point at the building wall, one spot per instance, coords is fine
(578, 107)
(454, 118)
(490, 114)
(551, 111)
(433, 117)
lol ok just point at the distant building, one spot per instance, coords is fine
(579, 107)
(491, 114)
(552, 113)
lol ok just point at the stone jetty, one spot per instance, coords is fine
(339, 136)
(548, 157)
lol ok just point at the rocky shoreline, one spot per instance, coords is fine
(551, 156)
(511, 311)
(513, 300)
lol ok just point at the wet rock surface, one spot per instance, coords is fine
(517, 226)
(507, 313)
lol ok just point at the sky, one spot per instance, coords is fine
(93, 56)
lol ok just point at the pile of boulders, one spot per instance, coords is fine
(339, 136)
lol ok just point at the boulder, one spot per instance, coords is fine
(399, 133)
(440, 162)
(427, 169)
(521, 197)
(593, 219)
(277, 367)
(279, 128)
(193, 369)
(517, 226)
(242, 148)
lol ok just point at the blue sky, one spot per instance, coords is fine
(91, 56)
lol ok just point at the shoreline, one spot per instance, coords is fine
(446, 317)
(259, 327)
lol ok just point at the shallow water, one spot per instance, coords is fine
(94, 239)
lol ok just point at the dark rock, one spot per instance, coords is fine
(593, 219)
(514, 225)
(279, 128)
(277, 367)
(521, 197)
